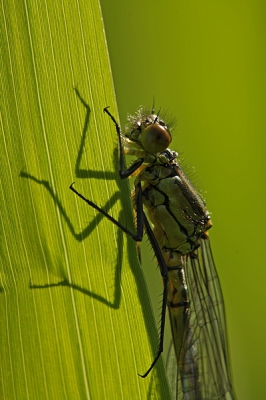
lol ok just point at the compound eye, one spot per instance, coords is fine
(155, 138)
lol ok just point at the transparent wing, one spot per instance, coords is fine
(203, 368)
(171, 371)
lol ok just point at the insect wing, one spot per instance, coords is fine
(203, 369)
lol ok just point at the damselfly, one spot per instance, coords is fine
(177, 229)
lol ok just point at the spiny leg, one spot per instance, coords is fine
(139, 233)
(164, 274)
(123, 173)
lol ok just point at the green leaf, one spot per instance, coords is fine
(76, 320)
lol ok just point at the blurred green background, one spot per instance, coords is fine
(204, 62)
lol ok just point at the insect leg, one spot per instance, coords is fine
(139, 233)
(123, 173)
(164, 274)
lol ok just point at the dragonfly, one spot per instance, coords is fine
(176, 222)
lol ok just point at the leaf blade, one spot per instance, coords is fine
(75, 322)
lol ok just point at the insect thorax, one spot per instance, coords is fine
(177, 212)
